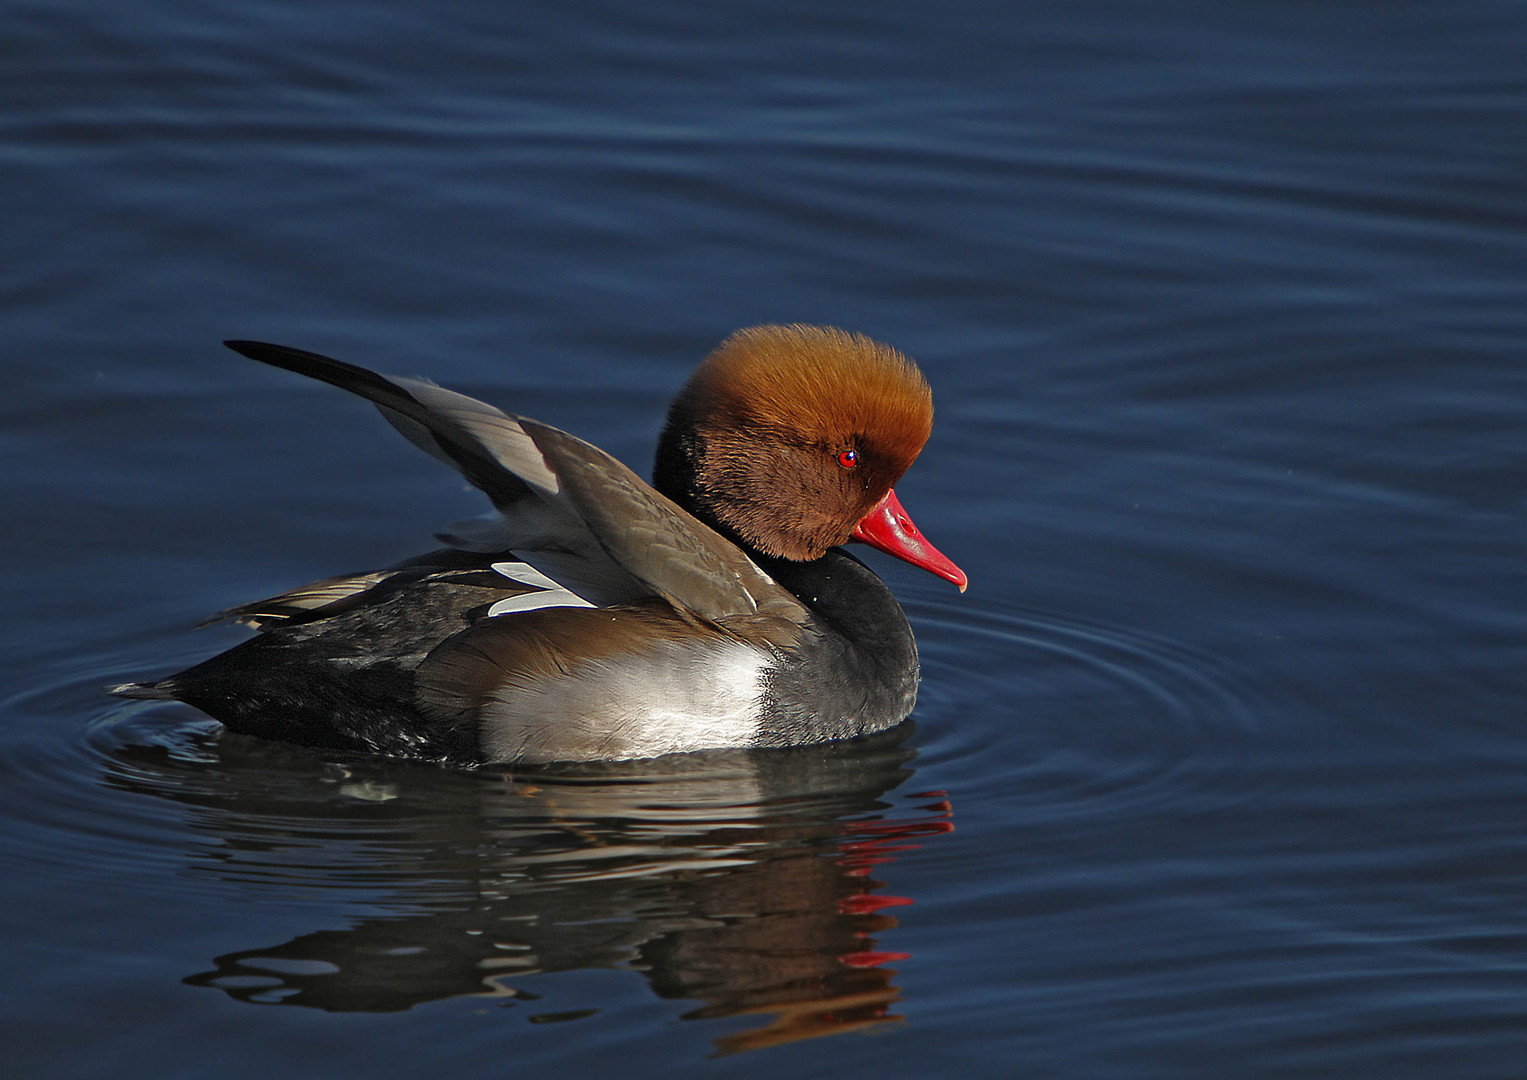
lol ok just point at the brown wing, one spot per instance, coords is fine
(563, 497)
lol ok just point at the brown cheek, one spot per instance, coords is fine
(744, 493)
(815, 505)
(794, 502)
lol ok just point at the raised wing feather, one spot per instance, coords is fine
(561, 496)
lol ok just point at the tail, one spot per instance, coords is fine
(143, 691)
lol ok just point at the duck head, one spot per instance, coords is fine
(789, 438)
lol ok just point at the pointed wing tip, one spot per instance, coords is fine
(247, 348)
(338, 373)
(282, 356)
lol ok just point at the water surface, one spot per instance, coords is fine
(1218, 766)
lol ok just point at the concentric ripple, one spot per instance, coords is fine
(1080, 717)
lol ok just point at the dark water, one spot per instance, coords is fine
(1220, 766)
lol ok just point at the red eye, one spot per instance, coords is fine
(848, 458)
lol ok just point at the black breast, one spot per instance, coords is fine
(856, 670)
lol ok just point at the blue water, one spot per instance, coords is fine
(1219, 767)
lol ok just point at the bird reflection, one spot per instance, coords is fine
(740, 880)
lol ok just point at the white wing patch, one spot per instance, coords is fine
(550, 593)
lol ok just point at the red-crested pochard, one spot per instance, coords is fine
(595, 617)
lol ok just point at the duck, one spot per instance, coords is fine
(593, 616)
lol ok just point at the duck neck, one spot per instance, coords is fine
(673, 471)
(674, 474)
(863, 652)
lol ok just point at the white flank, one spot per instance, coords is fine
(675, 697)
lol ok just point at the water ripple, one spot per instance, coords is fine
(1080, 717)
